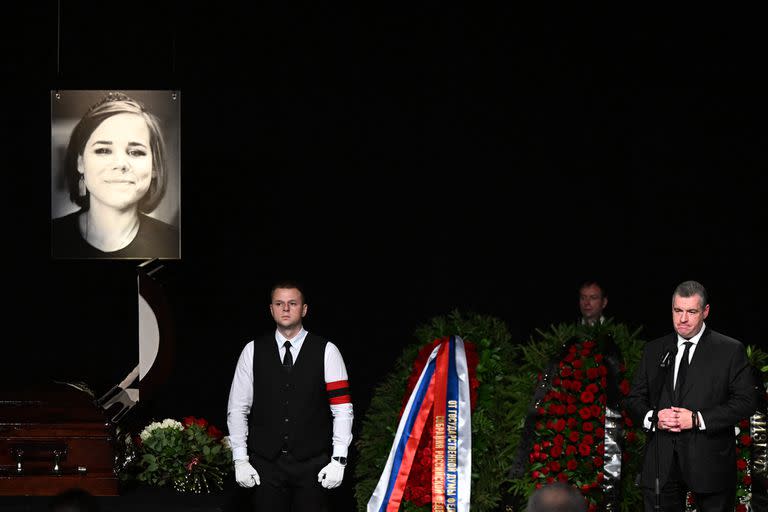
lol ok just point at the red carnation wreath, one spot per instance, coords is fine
(569, 435)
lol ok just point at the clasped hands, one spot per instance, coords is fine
(675, 419)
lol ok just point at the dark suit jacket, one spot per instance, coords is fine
(720, 385)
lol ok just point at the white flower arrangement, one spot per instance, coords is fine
(166, 423)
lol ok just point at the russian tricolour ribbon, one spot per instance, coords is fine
(442, 388)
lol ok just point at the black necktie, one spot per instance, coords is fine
(682, 371)
(288, 357)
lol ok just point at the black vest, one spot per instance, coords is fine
(290, 409)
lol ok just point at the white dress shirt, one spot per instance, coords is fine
(241, 396)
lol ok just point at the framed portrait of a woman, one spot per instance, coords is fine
(115, 174)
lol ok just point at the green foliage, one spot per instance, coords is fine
(758, 359)
(492, 452)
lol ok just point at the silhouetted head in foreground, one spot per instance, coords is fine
(557, 497)
(74, 500)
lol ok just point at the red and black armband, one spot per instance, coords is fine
(338, 392)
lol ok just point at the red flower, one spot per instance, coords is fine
(624, 387)
(188, 421)
(741, 507)
(747, 480)
(745, 439)
(741, 464)
(214, 432)
(192, 463)
(587, 397)
(585, 449)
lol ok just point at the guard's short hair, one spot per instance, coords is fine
(287, 283)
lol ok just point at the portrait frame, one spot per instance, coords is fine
(145, 209)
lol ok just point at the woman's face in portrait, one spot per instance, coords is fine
(117, 161)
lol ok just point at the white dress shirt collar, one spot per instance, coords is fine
(296, 342)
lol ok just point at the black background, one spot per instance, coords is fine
(401, 162)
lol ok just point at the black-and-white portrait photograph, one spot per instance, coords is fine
(115, 174)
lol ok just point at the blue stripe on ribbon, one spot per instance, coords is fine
(451, 444)
(412, 414)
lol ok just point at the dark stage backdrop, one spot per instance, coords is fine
(401, 164)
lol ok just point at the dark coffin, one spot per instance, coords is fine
(53, 439)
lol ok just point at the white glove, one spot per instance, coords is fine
(245, 474)
(331, 475)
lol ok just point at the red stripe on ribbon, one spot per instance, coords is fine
(343, 399)
(331, 386)
(410, 449)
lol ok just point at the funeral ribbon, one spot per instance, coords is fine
(443, 389)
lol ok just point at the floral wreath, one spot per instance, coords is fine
(490, 362)
(568, 376)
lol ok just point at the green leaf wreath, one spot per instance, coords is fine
(492, 451)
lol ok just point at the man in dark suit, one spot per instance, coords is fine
(690, 390)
